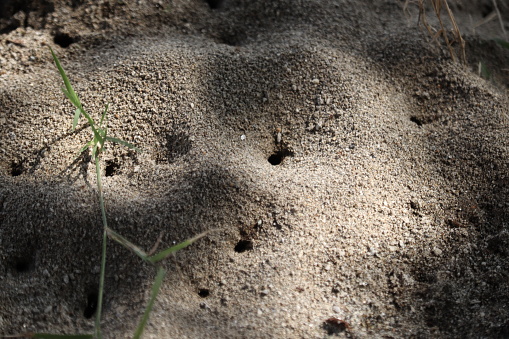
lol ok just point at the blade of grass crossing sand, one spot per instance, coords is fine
(73, 97)
(127, 244)
(124, 143)
(104, 114)
(76, 118)
(165, 253)
(69, 91)
(161, 272)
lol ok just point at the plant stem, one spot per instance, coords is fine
(103, 255)
(161, 272)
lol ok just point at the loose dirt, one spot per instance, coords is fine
(358, 177)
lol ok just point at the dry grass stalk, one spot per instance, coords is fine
(438, 5)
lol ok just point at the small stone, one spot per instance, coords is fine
(259, 312)
(242, 137)
(315, 81)
(437, 251)
(264, 293)
(336, 309)
(66, 279)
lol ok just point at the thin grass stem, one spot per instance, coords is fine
(103, 254)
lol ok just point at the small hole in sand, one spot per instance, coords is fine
(91, 305)
(203, 292)
(16, 168)
(23, 265)
(64, 40)
(244, 245)
(277, 157)
(416, 120)
(111, 168)
(214, 4)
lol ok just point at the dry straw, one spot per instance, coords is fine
(452, 36)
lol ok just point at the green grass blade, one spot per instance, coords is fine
(155, 290)
(70, 97)
(124, 143)
(70, 91)
(77, 115)
(83, 149)
(165, 253)
(94, 150)
(127, 244)
(104, 114)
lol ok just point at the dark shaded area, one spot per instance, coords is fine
(203, 292)
(277, 157)
(112, 166)
(177, 145)
(91, 306)
(243, 246)
(464, 291)
(335, 326)
(24, 260)
(64, 40)
(24, 264)
(16, 168)
(24, 13)
(214, 4)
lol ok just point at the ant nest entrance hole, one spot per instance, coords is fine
(91, 305)
(112, 167)
(277, 157)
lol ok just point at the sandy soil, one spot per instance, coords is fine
(380, 210)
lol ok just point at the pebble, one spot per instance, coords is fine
(336, 309)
